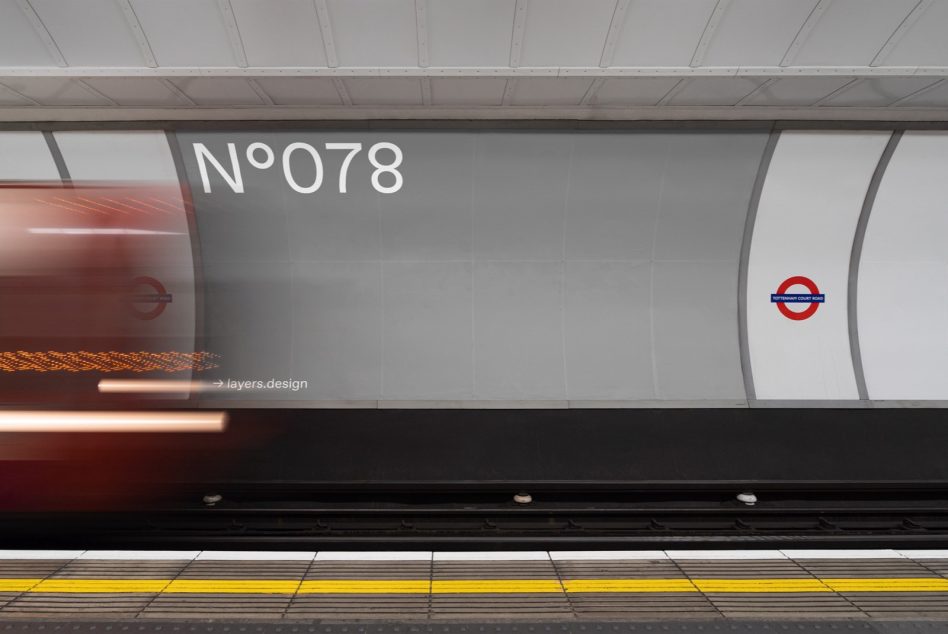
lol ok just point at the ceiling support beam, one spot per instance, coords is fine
(708, 34)
(94, 91)
(612, 37)
(804, 33)
(592, 91)
(516, 36)
(344, 96)
(27, 116)
(426, 91)
(421, 31)
(503, 72)
(257, 88)
(826, 98)
(918, 93)
(755, 92)
(19, 95)
(233, 32)
(173, 87)
(671, 94)
(509, 89)
(33, 17)
(325, 28)
(135, 25)
(904, 27)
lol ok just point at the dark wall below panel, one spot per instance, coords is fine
(628, 445)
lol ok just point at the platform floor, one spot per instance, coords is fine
(535, 587)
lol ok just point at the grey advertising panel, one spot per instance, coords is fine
(527, 266)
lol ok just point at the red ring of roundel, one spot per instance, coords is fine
(810, 286)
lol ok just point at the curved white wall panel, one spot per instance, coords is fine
(806, 220)
(141, 156)
(132, 175)
(25, 156)
(902, 298)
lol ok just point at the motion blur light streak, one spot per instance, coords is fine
(111, 361)
(51, 421)
(153, 386)
(106, 231)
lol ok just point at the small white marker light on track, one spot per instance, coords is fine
(747, 498)
(523, 498)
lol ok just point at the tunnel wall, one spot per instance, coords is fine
(628, 268)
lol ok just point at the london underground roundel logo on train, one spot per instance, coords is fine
(151, 303)
(783, 297)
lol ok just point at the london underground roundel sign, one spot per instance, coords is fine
(813, 299)
(152, 302)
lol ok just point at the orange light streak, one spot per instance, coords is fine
(110, 361)
(137, 422)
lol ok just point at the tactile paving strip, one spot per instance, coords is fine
(584, 627)
(791, 575)
(309, 604)
(534, 589)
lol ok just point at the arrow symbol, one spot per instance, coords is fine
(218, 383)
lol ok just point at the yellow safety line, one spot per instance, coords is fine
(629, 585)
(470, 586)
(228, 586)
(17, 585)
(365, 586)
(761, 585)
(925, 584)
(491, 586)
(100, 585)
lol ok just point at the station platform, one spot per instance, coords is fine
(536, 587)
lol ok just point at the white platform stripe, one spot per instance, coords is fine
(538, 555)
(842, 554)
(573, 555)
(924, 554)
(40, 554)
(605, 555)
(725, 554)
(144, 555)
(242, 555)
(374, 556)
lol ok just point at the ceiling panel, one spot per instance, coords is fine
(185, 32)
(756, 32)
(136, 91)
(796, 91)
(937, 97)
(300, 91)
(374, 32)
(926, 43)
(11, 98)
(465, 91)
(641, 91)
(289, 36)
(55, 91)
(218, 91)
(851, 32)
(542, 91)
(565, 32)
(714, 91)
(384, 91)
(90, 33)
(881, 91)
(661, 32)
(19, 44)
(465, 33)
